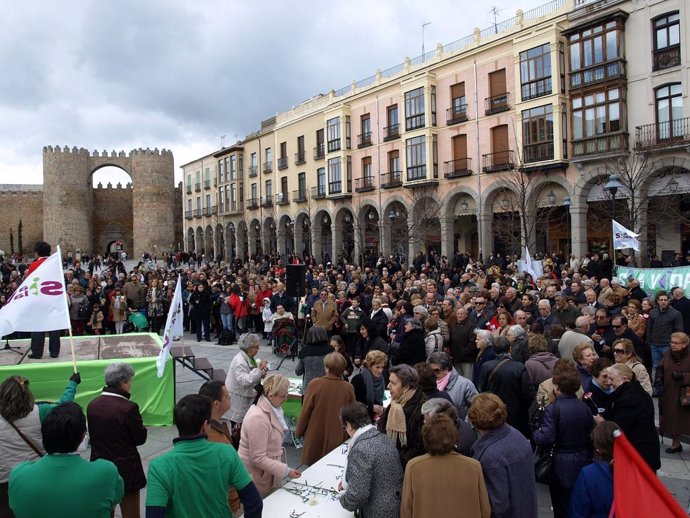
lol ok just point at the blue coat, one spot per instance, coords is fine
(508, 467)
(570, 430)
(593, 492)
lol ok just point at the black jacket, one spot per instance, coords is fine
(380, 321)
(632, 410)
(200, 302)
(412, 349)
(682, 305)
(463, 346)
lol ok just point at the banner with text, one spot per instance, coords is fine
(653, 280)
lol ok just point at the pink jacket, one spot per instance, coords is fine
(261, 446)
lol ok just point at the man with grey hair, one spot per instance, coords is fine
(574, 337)
(116, 429)
(517, 336)
(547, 319)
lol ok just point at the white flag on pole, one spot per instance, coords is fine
(40, 303)
(529, 265)
(173, 328)
(624, 238)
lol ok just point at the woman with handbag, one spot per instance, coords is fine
(673, 373)
(565, 431)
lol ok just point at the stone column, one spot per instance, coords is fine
(486, 236)
(447, 236)
(578, 228)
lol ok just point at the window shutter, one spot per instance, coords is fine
(497, 82)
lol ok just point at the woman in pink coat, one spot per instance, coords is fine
(261, 443)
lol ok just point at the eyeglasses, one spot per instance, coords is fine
(619, 351)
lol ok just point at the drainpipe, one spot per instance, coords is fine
(378, 164)
(479, 174)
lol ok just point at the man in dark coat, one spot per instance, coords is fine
(509, 380)
(116, 429)
(463, 347)
(281, 298)
(412, 349)
(681, 304)
(621, 330)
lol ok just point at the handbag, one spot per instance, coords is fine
(543, 457)
(684, 399)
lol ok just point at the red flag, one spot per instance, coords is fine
(637, 492)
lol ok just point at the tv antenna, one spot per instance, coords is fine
(423, 26)
(222, 141)
(494, 11)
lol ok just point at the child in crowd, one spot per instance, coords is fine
(267, 317)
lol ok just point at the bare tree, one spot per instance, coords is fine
(423, 221)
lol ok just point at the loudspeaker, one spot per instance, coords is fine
(294, 279)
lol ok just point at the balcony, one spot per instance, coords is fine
(188, 214)
(414, 122)
(215, 182)
(605, 143)
(499, 161)
(197, 187)
(267, 201)
(457, 168)
(364, 140)
(253, 171)
(189, 189)
(299, 196)
(335, 187)
(319, 152)
(282, 198)
(540, 152)
(235, 207)
(210, 211)
(197, 213)
(391, 180)
(282, 163)
(663, 134)
(253, 203)
(536, 88)
(318, 192)
(364, 184)
(334, 145)
(456, 114)
(391, 132)
(207, 185)
(340, 189)
(268, 167)
(300, 158)
(666, 58)
(496, 104)
(599, 73)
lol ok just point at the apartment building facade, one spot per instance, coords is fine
(505, 137)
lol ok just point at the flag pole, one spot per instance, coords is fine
(71, 338)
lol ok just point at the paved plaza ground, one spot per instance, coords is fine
(675, 469)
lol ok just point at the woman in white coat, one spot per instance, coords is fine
(243, 375)
(263, 428)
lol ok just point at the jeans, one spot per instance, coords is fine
(226, 320)
(658, 351)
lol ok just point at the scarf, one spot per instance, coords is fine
(374, 387)
(443, 382)
(278, 412)
(252, 361)
(396, 426)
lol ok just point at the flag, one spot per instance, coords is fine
(173, 328)
(40, 302)
(637, 492)
(624, 238)
(529, 265)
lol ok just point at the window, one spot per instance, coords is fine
(300, 157)
(666, 41)
(189, 205)
(233, 167)
(347, 132)
(416, 158)
(335, 176)
(365, 136)
(392, 130)
(189, 181)
(226, 193)
(537, 134)
(302, 183)
(535, 72)
(594, 115)
(366, 169)
(282, 159)
(394, 161)
(458, 104)
(233, 196)
(225, 168)
(319, 149)
(269, 155)
(208, 200)
(255, 194)
(433, 105)
(669, 111)
(414, 109)
(321, 180)
(198, 204)
(498, 93)
(596, 54)
(219, 171)
(269, 189)
(252, 165)
(333, 133)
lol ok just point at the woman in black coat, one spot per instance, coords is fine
(566, 426)
(379, 319)
(200, 311)
(632, 409)
(412, 349)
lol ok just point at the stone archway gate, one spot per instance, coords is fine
(68, 197)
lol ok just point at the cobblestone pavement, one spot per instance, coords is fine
(674, 473)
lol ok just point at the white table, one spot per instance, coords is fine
(326, 473)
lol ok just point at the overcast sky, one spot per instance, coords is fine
(107, 74)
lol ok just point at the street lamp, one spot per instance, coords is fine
(551, 197)
(612, 186)
(464, 205)
(566, 204)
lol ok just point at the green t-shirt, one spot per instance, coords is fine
(193, 479)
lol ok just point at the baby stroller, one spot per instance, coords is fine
(285, 338)
(136, 322)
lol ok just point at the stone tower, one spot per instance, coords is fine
(68, 207)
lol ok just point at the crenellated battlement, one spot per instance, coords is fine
(65, 150)
(109, 186)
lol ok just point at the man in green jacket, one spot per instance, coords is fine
(62, 484)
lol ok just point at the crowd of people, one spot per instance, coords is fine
(483, 364)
